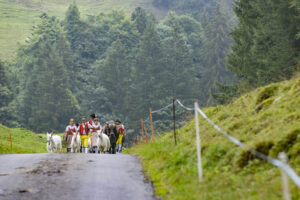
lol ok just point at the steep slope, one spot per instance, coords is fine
(18, 16)
(267, 119)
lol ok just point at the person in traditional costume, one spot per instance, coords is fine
(83, 130)
(70, 130)
(96, 127)
(122, 133)
(91, 123)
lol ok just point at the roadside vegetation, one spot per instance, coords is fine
(23, 141)
(266, 119)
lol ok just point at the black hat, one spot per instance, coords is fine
(118, 121)
(93, 115)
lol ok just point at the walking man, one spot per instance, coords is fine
(83, 130)
(122, 134)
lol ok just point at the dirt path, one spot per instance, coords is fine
(72, 176)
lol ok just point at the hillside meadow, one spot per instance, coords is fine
(18, 16)
(23, 141)
(266, 119)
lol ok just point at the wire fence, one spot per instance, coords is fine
(282, 163)
(292, 174)
(20, 143)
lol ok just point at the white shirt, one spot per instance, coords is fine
(73, 128)
(97, 126)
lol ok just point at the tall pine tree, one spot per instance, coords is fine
(214, 51)
(265, 48)
(47, 99)
(150, 71)
(5, 96)
(180, 78)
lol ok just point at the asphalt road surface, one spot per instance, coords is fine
(72, 177)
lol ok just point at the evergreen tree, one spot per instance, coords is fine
(265, 48)
(180, 66)
(115, 78)
(47, 99)
(85, 50)
(140, 18)
(150, 72)
(214, 51)
(5, 96)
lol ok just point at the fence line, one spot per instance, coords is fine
(287, 169)
(283, 165)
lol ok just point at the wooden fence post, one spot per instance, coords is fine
(152, 135)
(143, 130)
(174, 122)
(10, 142)
(285, 182)
(35, 143)
(200, 176)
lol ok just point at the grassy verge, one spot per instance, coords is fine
(267, 119)
(23, 141)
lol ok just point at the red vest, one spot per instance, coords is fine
(81, 128)
(71, 131)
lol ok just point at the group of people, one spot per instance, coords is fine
(88, 132)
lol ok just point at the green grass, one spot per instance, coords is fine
(267, 119)
(23, 141)
(18, 16)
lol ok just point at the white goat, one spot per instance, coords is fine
(53, 143)
(89, 143)
(76, 143)
(103, 142)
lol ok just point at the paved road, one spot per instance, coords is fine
(72, 177)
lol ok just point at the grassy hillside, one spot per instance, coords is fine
(267, 119)
(18, 16)
(23, 141)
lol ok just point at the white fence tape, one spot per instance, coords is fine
(155, 111)
(292, 174)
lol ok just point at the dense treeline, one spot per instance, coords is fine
(266, 46)
(119, 66)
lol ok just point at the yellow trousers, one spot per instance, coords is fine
(84, 140)
(119, 141)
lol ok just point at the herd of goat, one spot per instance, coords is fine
(54, 143)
